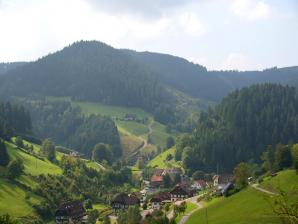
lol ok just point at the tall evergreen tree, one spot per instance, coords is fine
(4, 158)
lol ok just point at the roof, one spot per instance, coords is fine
(156, 178)
(161, 196)
(71, 209)
(181, 190)
(158, 171)
(125, 199)
(201, 183)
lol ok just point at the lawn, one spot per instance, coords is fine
(190, 207)
(15, 201)
(285, 180)
(130, 143)
(160, 160)
(246, 207)
(159, 135)
(132, 127)
(33, 165)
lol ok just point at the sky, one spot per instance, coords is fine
(219, 34)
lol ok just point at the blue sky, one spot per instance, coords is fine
(219, 34)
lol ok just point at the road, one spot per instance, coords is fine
(145, 141)
(255, 186)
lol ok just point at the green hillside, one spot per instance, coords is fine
(247, 206)
(160, 160)
(14, 198)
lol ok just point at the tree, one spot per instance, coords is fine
(102, 152)
(242, 172)
(106, 220)
(19, 142)
(170, 142)
(169, 157)
(4, 158)
(198, 175)
(6, 219)
(283, 157)
(268, 159)
(48, 149)
(92, 216)
(167, 181)
(88, 204)
(14, 169)
(133, 215)
(295, 156)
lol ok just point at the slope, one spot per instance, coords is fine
(252, 205)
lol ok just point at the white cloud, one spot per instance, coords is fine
(191, 24)
(251, 9)
(237, 61)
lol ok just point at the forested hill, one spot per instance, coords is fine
(87, 70)
(5, 67)
(196, 81)
(241, 127)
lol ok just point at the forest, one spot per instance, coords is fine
(240, 128)
(66, 125)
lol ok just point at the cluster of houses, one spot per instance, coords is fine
(74, 212)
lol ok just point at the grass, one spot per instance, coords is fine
(159, 135)
(16, 201)
(33, 165)
(285, 180)
(130, 143)
(99, 207)
(160, 160)
(246, 207)
(132, 127)
(190, 207)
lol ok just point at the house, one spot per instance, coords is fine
(130, 117)
(181, 192)
(156, 181)
(71, 212)
(222, 179)
(172, 171)
(199, 185)
(123, 201)
(158, 171)
(139, 195)
(226, 188)
(160, 199)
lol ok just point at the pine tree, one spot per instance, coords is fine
(4, 158)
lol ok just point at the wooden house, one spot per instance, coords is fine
(72, 212)
(160, 199)
(181, 192)
(123, 201)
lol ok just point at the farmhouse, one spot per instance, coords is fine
(199, 185)
(160, 199)
(123, 201)
(222, 179)
(181, 192)
(156, 181)
(71, 212)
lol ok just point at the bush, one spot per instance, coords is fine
(15, 169)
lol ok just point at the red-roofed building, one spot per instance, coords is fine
(199, 185)
(156, 181)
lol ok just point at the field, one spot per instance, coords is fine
(190, 207)
(252, 206)
(16, 201)
(160, 160)
(33, 165)
(286, 180)
(246, 207)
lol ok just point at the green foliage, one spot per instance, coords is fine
(92, 216)
(167, 181)
(91, 71)
(241, 126)
(268, 158)
(48, 149)
(242, 172)
(106, 220)
(102, 152)
(170, 142)
(6, 219)
(14, 119)
(295, 156)
(283, 157)
(67, 126)
(14, 169)
(198, 175)
(19, 142)
(4, 158)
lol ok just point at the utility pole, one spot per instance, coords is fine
(206, 216)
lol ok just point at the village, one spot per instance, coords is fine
(157, 194)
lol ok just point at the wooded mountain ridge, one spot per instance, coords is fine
(94, 71)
